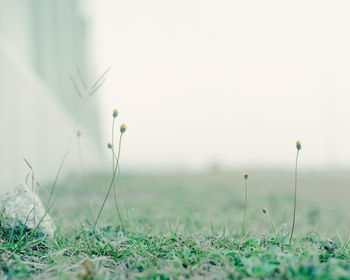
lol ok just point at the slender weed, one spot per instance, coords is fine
(88, 93)
(245, 201)
(114, 159)
(122, 131)
(298, 146)
(266, 212)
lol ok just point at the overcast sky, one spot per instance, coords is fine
(228, 82)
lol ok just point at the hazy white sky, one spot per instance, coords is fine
(232, 82)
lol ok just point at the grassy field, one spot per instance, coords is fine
(188, 226)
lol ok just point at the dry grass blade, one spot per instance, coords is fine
(97, 88)
(81, 77)
(98, 83)
(32, 172)
(75, 86)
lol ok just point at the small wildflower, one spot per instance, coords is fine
(298, 145)
(78, 133)
(115, 113)
(265, 212)
(245, 201)
(122, 128)
(110, 146)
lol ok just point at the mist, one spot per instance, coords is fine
(226, 83)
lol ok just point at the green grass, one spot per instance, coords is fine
(189, 226)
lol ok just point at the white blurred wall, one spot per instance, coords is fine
(41, 44)
(35, 126)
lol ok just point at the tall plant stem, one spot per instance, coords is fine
(295, 195)
(272, 225)
(114, 158)
(123, 197)
(126, 205)
(66, 152)
(111, 184)
(245, 205)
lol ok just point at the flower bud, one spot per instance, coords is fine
(115, 113)
(122, 128)
(78, 133)
(264, 210)
(298, 145)
(246, 175)
(110, 146)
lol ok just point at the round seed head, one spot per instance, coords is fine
(298, 145)
(115, 113)
(264, 210)
(110, 146)
(246, 175)
(122, 128)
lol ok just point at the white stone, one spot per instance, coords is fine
(22, 206)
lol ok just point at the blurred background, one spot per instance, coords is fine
(43, 46)
(201, 85)
(231, 84)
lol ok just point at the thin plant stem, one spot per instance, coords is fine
(66, 152)
(83, 168)
(81, 78)
(123, 197)
(245, 205)
(126, 205)
(98, 83)
(33, 181)
(53, 187)
(113, 155)
(127, 215)
(295, 195)
(75, 87)
(345, 245)
(114, 158)
(272, 225)
(111, 184)
(114, 184)
(33, 232)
